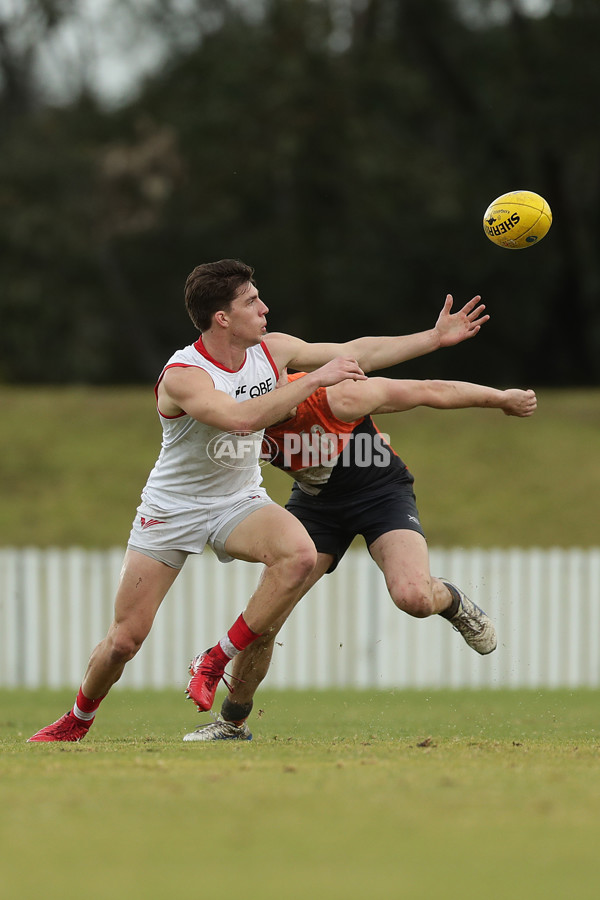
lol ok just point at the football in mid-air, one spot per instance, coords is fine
(517, 220)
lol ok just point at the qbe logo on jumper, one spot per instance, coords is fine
(241, 449)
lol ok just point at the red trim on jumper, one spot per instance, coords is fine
(387, 443)
(199, 346)
(270, 358)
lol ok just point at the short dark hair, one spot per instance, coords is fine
(212, 286)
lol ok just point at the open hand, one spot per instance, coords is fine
(452, 328)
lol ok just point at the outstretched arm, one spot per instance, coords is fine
(190, 389)
(374, 353)
(350, 401)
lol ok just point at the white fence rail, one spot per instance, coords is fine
(55, 605)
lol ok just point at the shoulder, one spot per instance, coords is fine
(262, 353)
(177, 372)
(178, 382)
(282, 347)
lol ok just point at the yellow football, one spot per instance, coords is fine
(517, 220)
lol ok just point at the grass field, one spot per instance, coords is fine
(417, 795)
(394, 794)
(75, 473)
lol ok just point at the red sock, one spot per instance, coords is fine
(237, 638)
(84, 708)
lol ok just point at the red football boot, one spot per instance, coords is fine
(207, 669)
(67, 728)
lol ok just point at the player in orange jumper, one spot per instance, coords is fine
(349, 481)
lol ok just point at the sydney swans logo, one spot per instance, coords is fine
(241, 449)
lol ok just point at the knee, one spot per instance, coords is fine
(124, 644)
(298, 562)
(303, 563)
(413, 599)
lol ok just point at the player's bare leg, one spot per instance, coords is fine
(404, 560)
(272, 536)
(249, 669)
(403, 557)
(143, 585)
(251, 666)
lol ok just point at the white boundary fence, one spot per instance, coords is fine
(55, 605)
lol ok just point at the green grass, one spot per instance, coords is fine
(74, 462)
(414, 794)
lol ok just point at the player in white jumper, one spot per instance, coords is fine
(201, 471)
(214, 399)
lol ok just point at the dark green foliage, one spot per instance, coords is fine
(348, 157)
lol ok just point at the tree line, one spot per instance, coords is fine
(347, 152)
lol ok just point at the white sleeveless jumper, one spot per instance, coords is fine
(196, 461)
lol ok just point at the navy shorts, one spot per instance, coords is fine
(334, 523)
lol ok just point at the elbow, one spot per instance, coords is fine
(248, 425)
(241, 423)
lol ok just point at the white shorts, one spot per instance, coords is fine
(170, 535)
